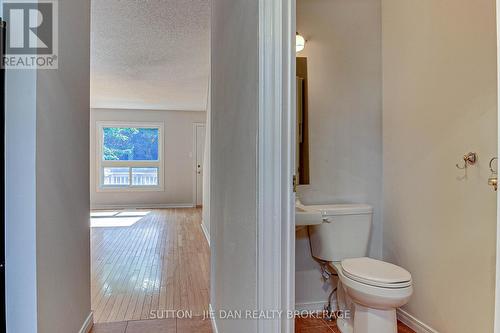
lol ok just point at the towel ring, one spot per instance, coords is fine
(493, 171)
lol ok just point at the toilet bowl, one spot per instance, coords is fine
(370, 290)
(373, 290)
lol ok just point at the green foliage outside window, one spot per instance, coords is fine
(130, 144)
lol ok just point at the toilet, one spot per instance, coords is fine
(369, 290)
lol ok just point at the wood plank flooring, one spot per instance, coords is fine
(193, 325)
(159, 263)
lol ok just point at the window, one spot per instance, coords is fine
(129, 156)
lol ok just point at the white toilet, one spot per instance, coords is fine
(371, 290)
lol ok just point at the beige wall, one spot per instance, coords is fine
(439, 83)
(343, 50)
(177, 152)
(233, 182)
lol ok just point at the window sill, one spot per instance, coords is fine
(130, 189)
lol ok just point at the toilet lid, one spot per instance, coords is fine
(376, 272)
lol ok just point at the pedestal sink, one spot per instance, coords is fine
(305, 215)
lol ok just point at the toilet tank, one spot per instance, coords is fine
(344, 234)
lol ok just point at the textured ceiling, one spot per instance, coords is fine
(150, 54)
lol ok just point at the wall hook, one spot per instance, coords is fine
(469, 159)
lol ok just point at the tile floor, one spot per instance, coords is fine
(318, 325)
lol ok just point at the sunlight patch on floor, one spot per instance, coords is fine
(133, 213)
(109, 219)
(103, 214)
(107, 222)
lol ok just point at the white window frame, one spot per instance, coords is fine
(101, 163)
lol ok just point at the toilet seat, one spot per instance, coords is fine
(390, 296)
(375, 273)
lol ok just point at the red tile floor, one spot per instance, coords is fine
(318, 325)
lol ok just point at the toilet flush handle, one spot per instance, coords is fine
(327, 220)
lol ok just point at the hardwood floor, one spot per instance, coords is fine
(159, 263)
(193, 325)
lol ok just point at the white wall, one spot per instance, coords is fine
(440, 96)
(178, 157)
(233, 204)
(343, 51)
(48, 255)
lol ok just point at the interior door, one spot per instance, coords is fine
(200, 151)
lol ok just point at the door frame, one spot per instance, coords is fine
(276, 156)
(195, 148)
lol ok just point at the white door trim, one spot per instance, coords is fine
(275, 228)
(195, 156)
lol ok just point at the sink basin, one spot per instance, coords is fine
(305, 216)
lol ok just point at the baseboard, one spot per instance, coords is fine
(87, 324)
(143, 206)
(212, 319)
(413, 323)
(205, 232)
(313, 306)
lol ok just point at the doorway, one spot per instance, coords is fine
(199, 133)
(422, 198)
(149, 255)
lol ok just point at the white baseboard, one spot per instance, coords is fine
(313, 306)
(413, 323)
(87, 324)
(212, 319)
(143, 206)
(205, 232)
